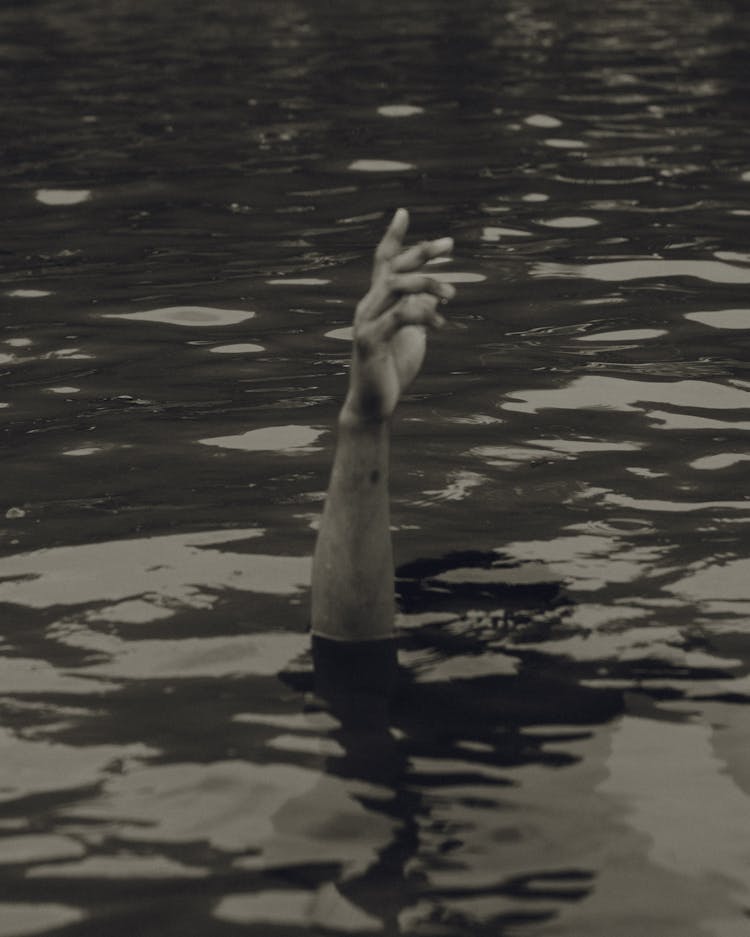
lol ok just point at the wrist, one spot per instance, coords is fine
(355, 417)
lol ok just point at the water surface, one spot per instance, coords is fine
(191, 201)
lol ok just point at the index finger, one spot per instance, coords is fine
(393, 239)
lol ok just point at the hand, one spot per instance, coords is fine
(391, 320)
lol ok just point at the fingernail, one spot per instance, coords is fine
(444, 245)
(448, 291)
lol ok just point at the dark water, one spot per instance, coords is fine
(190, 200)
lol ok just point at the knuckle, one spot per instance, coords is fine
(362, 307)
(362, 345)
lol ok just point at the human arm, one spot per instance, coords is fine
(352, 582)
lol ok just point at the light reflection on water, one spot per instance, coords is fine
(566, 749)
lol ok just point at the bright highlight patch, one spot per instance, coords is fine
(269, 439)
(722, 318)
(62, 196)
(380, 165)
(399, 110)
(191, 316)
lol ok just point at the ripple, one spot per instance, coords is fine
(727, 581)
(236, 349)
(62, 196)
(612, 393)
(29, 294)
(38, 847)
(297, 909)
(542, 120)
(569, 221)
(190, 316)
(123, 866)
(616, 526)
(468, 667)
(619, 270)
(260, 655)
(588, 562)
(182, 570)
(580, 446)
(627, 335)
(289, 439)
(535, 197)
(459, 485)
(380, 165)
(547, 450)
(280, 814)
(563, 144)
(722, 318)
(344, 335)
(161, 804)
(732, 256)
(673, 507)
(510, 457)
(688, 421)
(298, 281)
(32, 768)
(648, 761)
(492, 233)
(399, 110)
(720, 461)
(19, 920)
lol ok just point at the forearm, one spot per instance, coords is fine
(352, 582)
(352, 587)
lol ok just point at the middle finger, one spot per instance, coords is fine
(415, 257)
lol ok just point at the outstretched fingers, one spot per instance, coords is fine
(397, 272)
(388, 290)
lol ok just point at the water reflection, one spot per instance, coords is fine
(623, 270)
(399, 110)
(288, 439)
(62, 196)
(618, 394)
(166, 572)
(191, 316)
(722, 318)
(380, 165)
